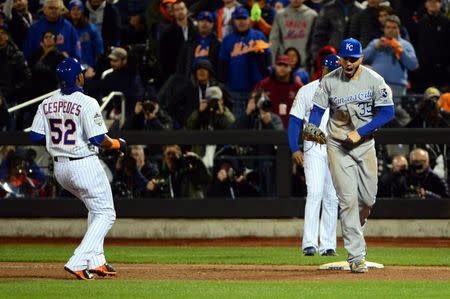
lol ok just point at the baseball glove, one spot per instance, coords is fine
(313, 133)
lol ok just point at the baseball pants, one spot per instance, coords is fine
(354, 172)
(86, 179)
(321, 194)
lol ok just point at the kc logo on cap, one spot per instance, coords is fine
(350, 47)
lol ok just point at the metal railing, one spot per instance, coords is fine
(108, 98)
(32, 101)
(105, 102)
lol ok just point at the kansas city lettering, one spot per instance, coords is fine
(359, 97)
(62, 106)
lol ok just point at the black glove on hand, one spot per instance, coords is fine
(123, 145)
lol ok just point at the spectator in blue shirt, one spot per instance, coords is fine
(392, 57)
(244, 59)
(52, 21)
(106, 18)
(90, 40)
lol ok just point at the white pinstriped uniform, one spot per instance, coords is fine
(68, 121)
(321, 192)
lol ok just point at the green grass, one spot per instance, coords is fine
(46, 288)
(223, 255)
(224, 289)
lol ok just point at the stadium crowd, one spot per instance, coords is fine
(215, 65)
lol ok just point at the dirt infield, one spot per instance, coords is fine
(230, 272)
(225, 272)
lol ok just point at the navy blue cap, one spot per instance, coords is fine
(331, 62)
(78, 3)
(205, 15)
(68, 71)
(240, 13)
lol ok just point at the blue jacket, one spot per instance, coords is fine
(91, 44)
(243, 70)
(383, 61)
(66, 37)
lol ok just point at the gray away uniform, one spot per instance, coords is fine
(353, 167)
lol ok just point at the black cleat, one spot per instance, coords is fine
(104, 270)
(329, 252)
(309, 251)
(82, 275)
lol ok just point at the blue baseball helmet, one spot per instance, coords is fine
(331, 62)
(350, 47)
(68, 71)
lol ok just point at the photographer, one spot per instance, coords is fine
(128, 181)
(183, 96)
(429, 115)
(212, 114)
(394, 183)
(422, 180)
(148, 169)
(258, 114)
(148, 116)
(181, 176)
(231, 184)
(24, 178)
(392, 57)
(28, 155)
(281, 88)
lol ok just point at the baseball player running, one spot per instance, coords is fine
(360, 102)
(318, 178)
(72, 126)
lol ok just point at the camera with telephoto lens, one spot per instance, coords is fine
(213, 105)
(186, 163)
(213, 95)
(429, 105)
(120, 189)
(148, 107)
(263, 102)
(161, 186)
(416, 174)
(246, 173)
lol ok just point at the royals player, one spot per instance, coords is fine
(321, 192)
(72, 126)
(360, 102)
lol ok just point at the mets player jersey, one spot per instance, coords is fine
(68, 121)
(303, 102)
(351, 102)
